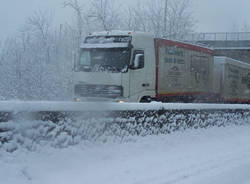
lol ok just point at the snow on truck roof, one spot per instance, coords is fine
(119, 33)
(106, 45)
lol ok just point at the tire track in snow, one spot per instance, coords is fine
(198, 169)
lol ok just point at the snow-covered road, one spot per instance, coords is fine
(216, 155)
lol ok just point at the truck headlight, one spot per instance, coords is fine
(77, 99)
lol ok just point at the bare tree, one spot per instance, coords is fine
(135, 18)
(105, 13)
(10, 59)
(155, 11)
(40, 23)
(36, 64)
(163, 18)
(80, 18)
(39, 27)
(181, 20)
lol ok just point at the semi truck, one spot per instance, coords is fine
(125, 66)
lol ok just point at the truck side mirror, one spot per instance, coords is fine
(139, 61)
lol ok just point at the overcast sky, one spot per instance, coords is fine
(221, 15)
(211, 15)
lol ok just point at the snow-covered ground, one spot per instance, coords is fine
(214, 155)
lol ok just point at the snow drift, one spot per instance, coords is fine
(118, 126)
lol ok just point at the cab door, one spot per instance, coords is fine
(137, 78)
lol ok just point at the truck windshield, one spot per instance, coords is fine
(104, 59)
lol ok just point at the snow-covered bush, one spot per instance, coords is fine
(117, 126)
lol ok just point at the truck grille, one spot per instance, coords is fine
(104, 91)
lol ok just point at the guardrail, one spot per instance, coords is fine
(45, 106)
(57, 111)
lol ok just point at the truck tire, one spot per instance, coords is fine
(146, 99)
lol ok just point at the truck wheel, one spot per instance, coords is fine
(146, 99)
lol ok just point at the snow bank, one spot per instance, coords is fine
(216, 155)
(119, 126)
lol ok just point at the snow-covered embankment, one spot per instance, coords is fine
(214, 155)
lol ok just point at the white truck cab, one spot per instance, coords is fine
(116, 66)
